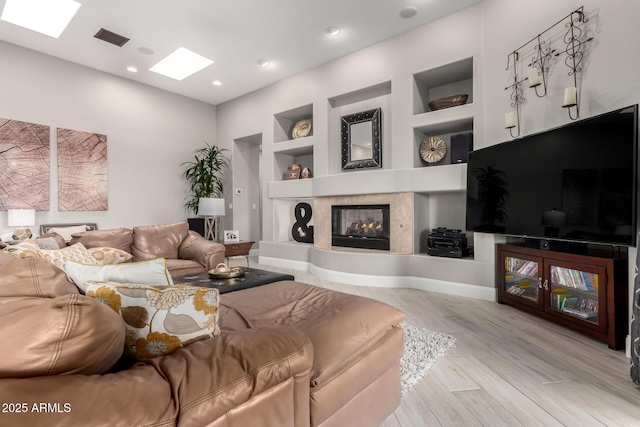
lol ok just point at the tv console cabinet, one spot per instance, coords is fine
(587, 293)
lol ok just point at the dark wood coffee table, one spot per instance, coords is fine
(252, 277)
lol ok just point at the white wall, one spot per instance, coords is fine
(149, 133)
(394, 61)
(609, 79)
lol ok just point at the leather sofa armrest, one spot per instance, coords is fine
(138, 396)
(205, 252)
(196, 385)
(216, 376)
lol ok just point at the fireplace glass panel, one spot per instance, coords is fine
(360, 226)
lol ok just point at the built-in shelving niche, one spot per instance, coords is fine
(302, 155)
(451, 79)
(284, 122)
(284, 218)
(444, 130)
(433, 210)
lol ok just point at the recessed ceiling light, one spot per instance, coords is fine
(145, 50)
(132, 69)
(409, 12)
(216, 82)
(332, 31)
(181, 64)
(263, 63)
(48, 17)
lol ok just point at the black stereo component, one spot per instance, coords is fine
(449, 252)
(447, 242)
(557, 246)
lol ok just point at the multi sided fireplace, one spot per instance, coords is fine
(360, 226)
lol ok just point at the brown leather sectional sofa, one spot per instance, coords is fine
(289, 354)
(186, 251)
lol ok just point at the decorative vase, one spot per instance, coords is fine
(306, 173)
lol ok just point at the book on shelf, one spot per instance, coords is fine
(576, 279)
(581, 307)
(520, 287)
(580, 313)
(568, 301)
(558, 299)
(520, 266)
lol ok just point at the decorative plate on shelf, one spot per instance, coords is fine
(301, 129)
(433, 149)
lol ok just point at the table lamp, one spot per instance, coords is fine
(22, 219)
(211, 209)
(553, 220)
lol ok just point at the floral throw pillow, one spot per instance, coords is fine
(106, 255)
(160, 319)
(75, 252)
(25, 249)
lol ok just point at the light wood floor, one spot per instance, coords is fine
(508, 368)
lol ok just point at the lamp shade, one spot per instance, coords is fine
(21, 217)
(208, 206)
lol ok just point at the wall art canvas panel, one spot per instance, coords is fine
(82, 171)
(24, 165)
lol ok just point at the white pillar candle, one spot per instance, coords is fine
(570, 97)
(509, 120)
(534, 78)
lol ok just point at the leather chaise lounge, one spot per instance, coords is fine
(355, 378)
(289, 354)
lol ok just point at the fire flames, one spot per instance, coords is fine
(365, 228)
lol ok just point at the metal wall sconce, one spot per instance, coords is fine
(540, 64)
(511, 120)
(575, 54)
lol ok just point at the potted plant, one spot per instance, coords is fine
(204, 175)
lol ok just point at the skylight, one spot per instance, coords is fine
(181, 64)
(49, 17)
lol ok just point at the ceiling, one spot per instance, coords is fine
(234, 34)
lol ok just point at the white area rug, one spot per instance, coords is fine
(422, 348)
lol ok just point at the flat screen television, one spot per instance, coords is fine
(573, 183)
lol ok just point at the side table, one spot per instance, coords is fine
(241, 248)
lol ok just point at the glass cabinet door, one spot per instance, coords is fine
(575, 292)
(521, 279)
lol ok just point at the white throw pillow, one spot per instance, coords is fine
(148, 272)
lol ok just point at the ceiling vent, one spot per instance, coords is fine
(111, 37)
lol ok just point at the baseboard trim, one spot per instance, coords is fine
(432, 285)
(284, 263)
(455, 288)
(361, 279)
